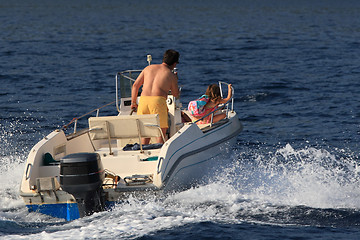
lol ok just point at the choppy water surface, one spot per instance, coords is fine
(295, 69)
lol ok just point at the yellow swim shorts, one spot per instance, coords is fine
(154, 105)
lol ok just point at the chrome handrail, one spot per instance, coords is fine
(232, 94)
(75, 119)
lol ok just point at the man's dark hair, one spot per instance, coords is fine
(170, 57)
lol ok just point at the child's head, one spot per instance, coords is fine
(213, 91)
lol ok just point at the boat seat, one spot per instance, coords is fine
(125, 127)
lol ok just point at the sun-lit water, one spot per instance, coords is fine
(295, 69)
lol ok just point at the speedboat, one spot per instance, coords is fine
(73, 173)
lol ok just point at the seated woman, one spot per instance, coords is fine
(208, 103)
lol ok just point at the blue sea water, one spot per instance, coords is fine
(295, 69)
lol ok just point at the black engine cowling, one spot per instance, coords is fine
(82, 175)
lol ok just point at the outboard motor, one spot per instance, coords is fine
(82, 175)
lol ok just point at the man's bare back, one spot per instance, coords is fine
(157, 80)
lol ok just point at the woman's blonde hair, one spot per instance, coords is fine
(213, 91)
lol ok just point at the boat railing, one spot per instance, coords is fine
(76, 119)
(225, 105)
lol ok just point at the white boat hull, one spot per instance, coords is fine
(196, 160)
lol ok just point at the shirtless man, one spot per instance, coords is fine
(157, 80)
